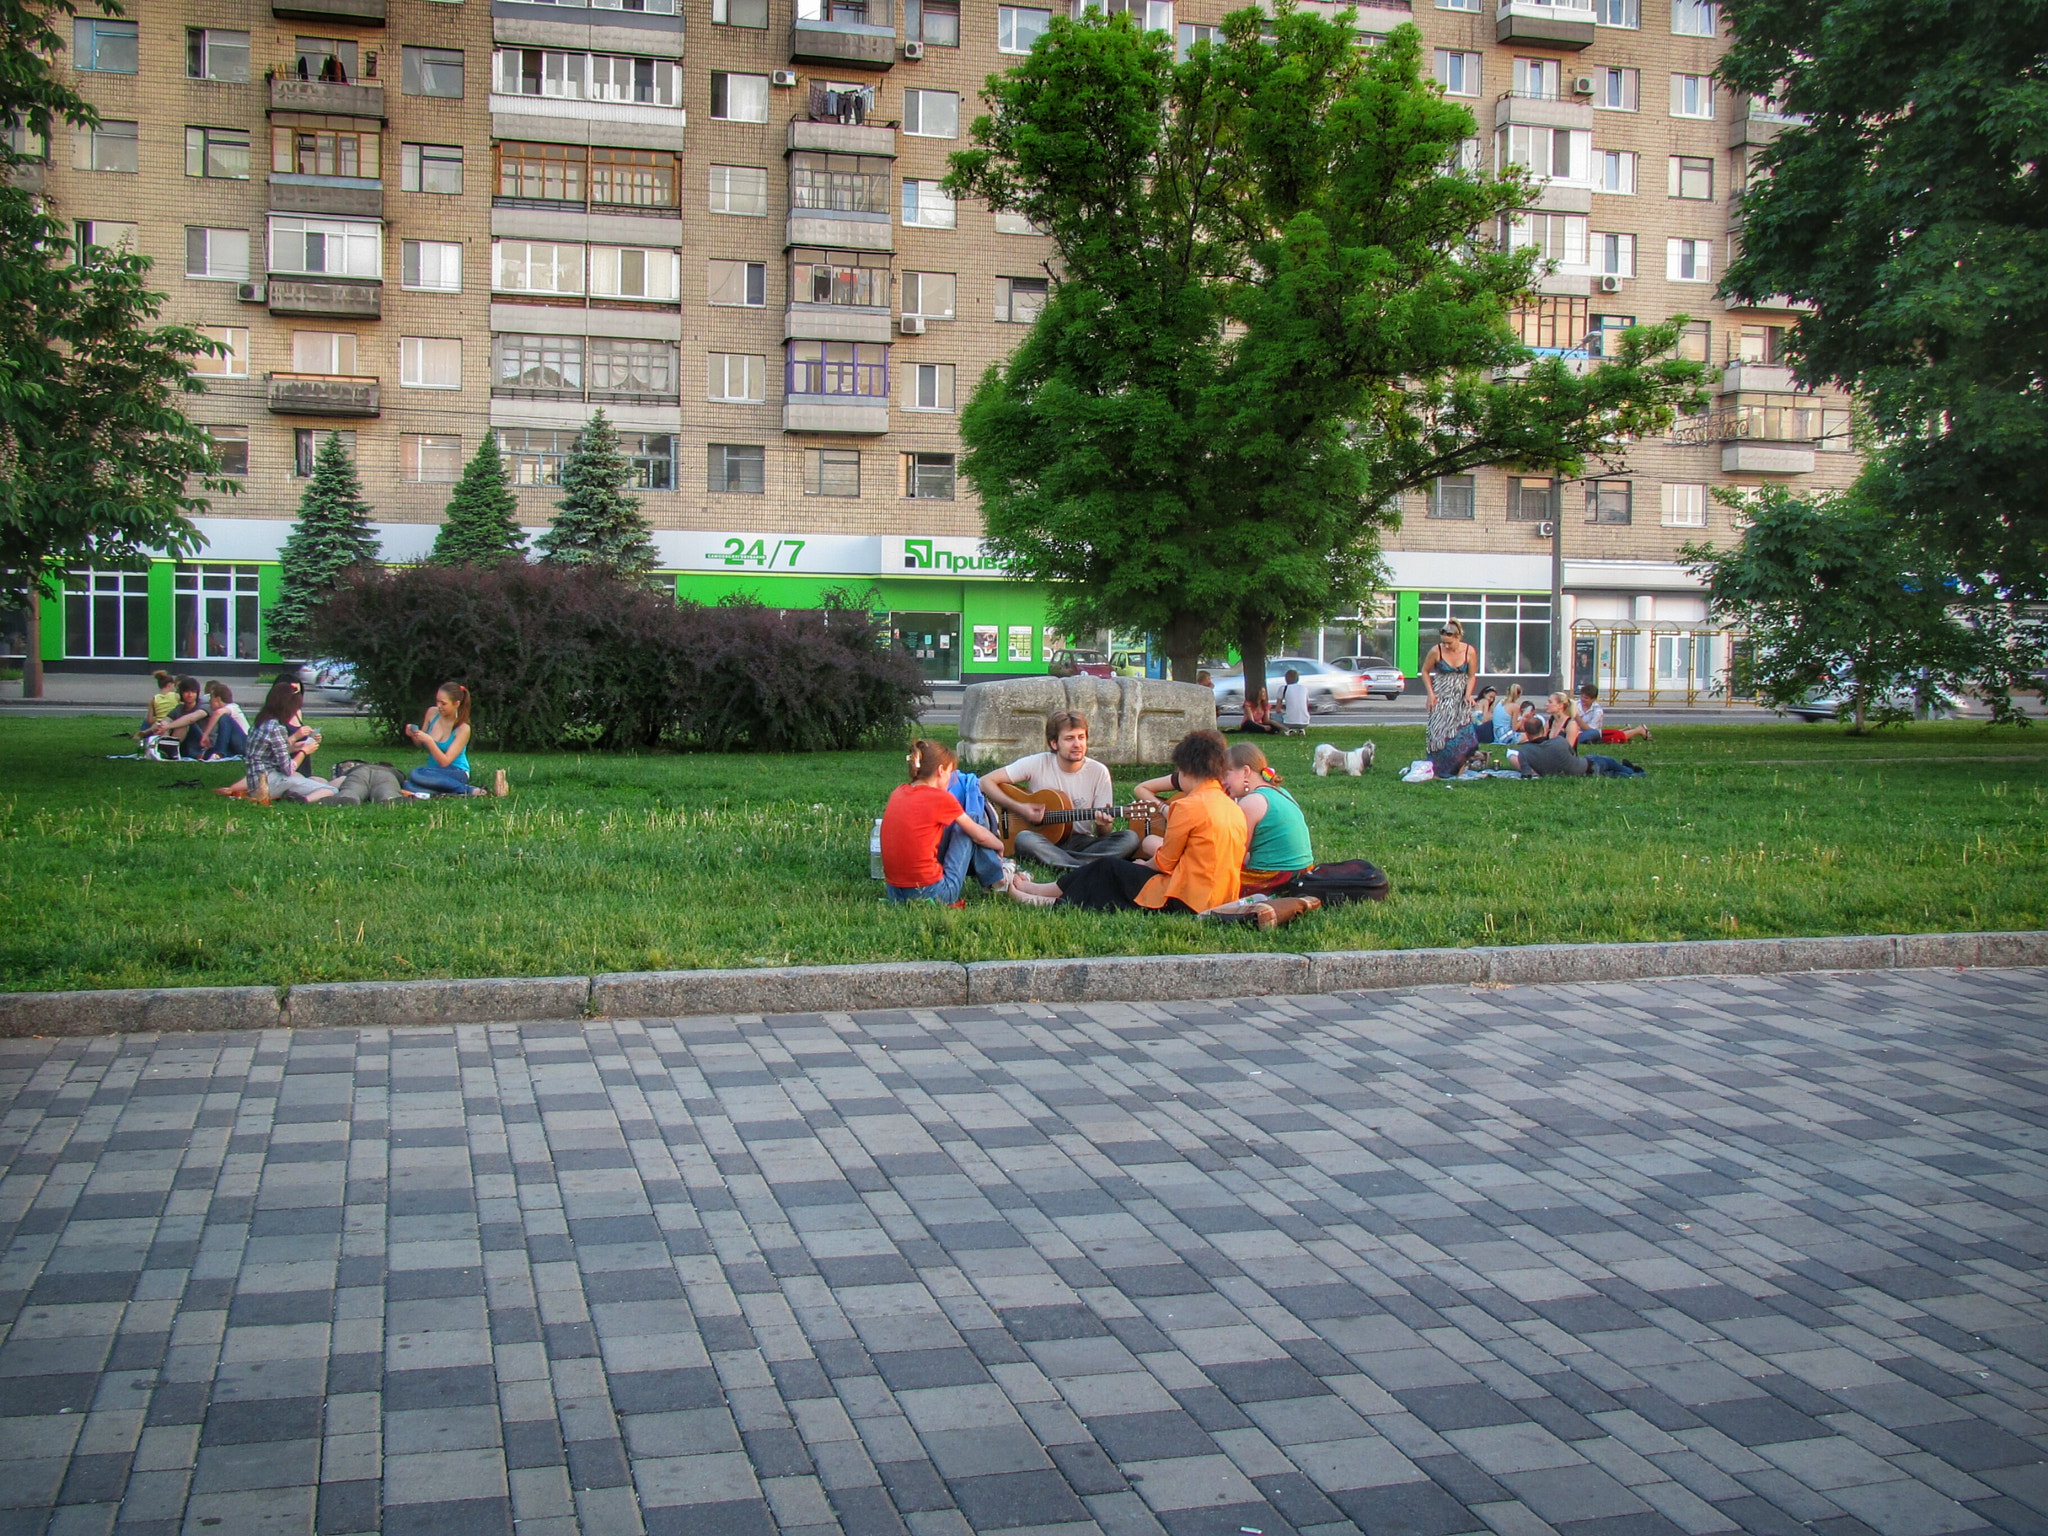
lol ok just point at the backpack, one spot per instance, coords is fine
(1339, 882)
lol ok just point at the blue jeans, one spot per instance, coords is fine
(438, 780)
(1610, 768)
(957, 854)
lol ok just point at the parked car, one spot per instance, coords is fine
(1328, 685)
(1382, 678)
(1832, 703)
(1129, 663)
(1073, 663)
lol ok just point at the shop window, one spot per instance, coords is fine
(215, 613)
(1511, 630)
(106, 613)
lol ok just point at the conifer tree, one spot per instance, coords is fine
(481, 525)
(598, 522)
(332, 533)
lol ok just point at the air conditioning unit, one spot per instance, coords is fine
(1582, 85)
(913, 50)
(1545, 529)
(783, 77)
(1610, 285)
(911, 325)
(253, 293)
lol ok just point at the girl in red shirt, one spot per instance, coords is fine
(929, 842)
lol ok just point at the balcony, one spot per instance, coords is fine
(349, 197)
(1543, 111)
(1770, 378)
(288, 94)
(355, 13)
(1546, 23)
(841, 138)
(341, 297)
(835, 413)
(1753, 457)
(1757, 121)
(322, 394)
(835, 322)
(26, 175)
(852, 34)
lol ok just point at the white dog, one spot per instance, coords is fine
(1354, 762)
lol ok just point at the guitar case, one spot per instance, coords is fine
(1336, 883)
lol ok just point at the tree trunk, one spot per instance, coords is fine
(1182, 642)
(1253, 637)
(32, 663)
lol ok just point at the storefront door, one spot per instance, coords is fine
(932, 638)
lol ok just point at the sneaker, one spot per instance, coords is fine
(1009, 870)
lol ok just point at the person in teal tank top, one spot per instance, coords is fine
(1279, 842)
(445, 734)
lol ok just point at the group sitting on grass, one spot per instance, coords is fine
(1546, 743)
(281, 747)
(190, 723)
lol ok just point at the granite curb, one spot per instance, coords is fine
(944, 983)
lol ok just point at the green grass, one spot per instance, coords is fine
(110, 879)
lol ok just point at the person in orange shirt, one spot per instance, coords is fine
(1198, 866)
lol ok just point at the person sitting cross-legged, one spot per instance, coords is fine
(1065, 766)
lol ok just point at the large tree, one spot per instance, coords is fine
(598, 522)
(98, 464)
(331, 537)
(1911, 211)
(1277, 307)
(481, 524)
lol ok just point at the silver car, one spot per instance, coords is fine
(1328, 685)
(1382, 678)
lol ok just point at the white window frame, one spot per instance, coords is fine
(1627, 83)
(514, 266)
(1007, 17)
(754, 95)
(1614, 255)
(1692, 97)
(213, 269)
(323, 353)
(444, 252)
(742, 270)
(423, 362)
(1460, 73)
(1626, 165)
(915, 281)
(750, 370)
(362, 245)
(412, 457)
(927, 205)
(918, 109)
(235, 365)
(929, 387)
(1695, 18)
(732, 186)
(1674, 180)
(1681, 252)
(1627, 14)
(1683, 506)
(613, 268)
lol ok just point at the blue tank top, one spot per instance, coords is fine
(461, 762)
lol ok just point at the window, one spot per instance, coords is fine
(430, 168)
(1694, 18)
(549, 173)
(1528, 498)
(644, 372)
(1560, 237)
(536, 266)
(594, 77)
(1685, 506)
(104, 45)
(548, 365)
(1466, 159)
(1615, 255)
(1614, 170)
(1692, 96)
(431, 72)
(1548, 154)
(106, 613)
(651, 459)
(1790, 419)
(839, 183)
(1190, 35)
(234, 363)
(926, 205)
(535, 457)
(935, 22)
(929, 294)
(1150, 15)
(306, 443)
(831, 472)
(230, 450)
(430, 362)
(1457, 73)
(628, 78)
(1618, 90)
(1557, 325)
(1763, 344)
(330, 59)
(1695, 342)
(1512, 631)
(1454, 496)
(1689, 261)
(1457, 5)
(114, 236)
(634, 178)
(323, 152)
(1541, 79)
(739, 13)
(1692, 176)
(113, 146)
(434, 266)
(738, 283)
(429, 458)
(735, 469)
(932, 114)
(1603, 334)
(217, 152)
(324, 352)
(930, 387)
(1010, 222)
(211, 54)
(740, 189)
(215, 613)
(739, 98)
(1018, 27)
(1609, 501)
(738, 378)
(856, 368)
(634, 272)
(858, 278)
(1020, 300)
(327, 246)
(1618, 13)
(928, 476)
(219, 254)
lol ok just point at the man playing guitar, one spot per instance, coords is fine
(1066, 767)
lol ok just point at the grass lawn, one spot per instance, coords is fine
(111, 879)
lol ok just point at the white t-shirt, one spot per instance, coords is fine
(1087, 785)
(1590, 715)
(1294, 704)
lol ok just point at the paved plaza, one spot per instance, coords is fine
(1604, 1260)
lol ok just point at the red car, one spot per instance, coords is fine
(1074, 663)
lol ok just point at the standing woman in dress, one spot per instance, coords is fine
(1450, 675)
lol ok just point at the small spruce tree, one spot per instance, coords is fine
(332, 534)
(597, 522)
(481, 525)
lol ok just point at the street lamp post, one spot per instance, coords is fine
(1557, 631)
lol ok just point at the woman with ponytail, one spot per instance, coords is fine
(445, 734)
(929, 842)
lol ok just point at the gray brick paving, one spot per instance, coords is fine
(1665, 1259)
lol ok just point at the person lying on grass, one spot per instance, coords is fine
(1279, 845)
(929, 841)
(444, 732)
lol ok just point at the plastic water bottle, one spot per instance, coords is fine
(875, 851)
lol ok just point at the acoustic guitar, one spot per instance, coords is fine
(1145, 818)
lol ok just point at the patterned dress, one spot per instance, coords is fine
(1452, 710)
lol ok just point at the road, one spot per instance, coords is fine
(1620, 1260)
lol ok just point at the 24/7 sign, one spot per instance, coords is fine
(760, 554)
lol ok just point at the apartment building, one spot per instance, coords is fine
(721, 221)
